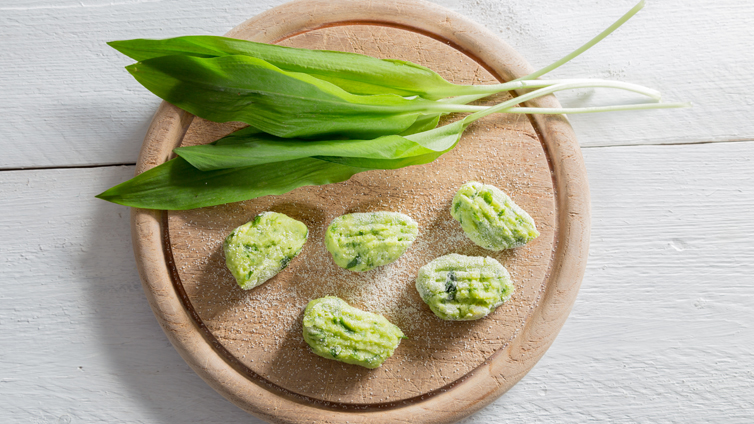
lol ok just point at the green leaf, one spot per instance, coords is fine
(383, 163)
(355, 73)
(285, 104)
(247, 147)
(423, 123)
(241, 88)
(176, 185)
(441, 138)
(218, 79)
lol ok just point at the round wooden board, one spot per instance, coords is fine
(248, 344)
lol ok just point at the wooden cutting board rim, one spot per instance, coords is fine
(182, 324)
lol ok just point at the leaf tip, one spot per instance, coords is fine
(104, 195)
(132, 68)
(118, 45)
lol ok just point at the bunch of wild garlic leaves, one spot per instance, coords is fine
(316, 117)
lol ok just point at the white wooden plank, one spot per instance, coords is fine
(67, 101)
(661, 331)
(29, 5)
(79, 342)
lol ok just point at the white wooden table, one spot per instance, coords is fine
(662, 331)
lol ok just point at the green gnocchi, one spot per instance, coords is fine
(336, 330)
(490, 218)
(258, 250)
(463, 288)
(364, 241)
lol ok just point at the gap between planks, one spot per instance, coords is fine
(110, 165)
(669, 143)
(52, 168)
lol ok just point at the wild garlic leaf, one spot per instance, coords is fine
(303, 93)
(441, 138)
(241, 88)
(246, 148)
(176, 185)
(355, 73)
(423, 123)
(285, 104)
(383, 163)
(435, 143)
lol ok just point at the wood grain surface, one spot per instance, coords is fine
(256, 334)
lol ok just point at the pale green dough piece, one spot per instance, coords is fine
(364, 241)
(336, 330)
(258, 250)
(490, 218)
(463, 288)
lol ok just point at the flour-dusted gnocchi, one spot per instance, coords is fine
(364, 241)
(490, 218)
(259, 249)
(336, 330)
(463, 288)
